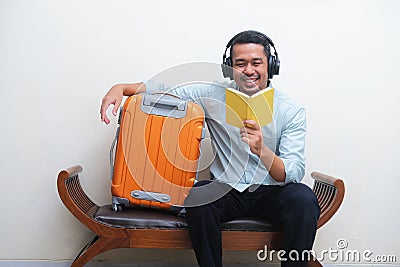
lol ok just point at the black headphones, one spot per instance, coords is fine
(273, 60)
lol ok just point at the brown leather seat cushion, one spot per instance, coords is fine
(134, 217)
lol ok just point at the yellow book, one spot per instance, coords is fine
(258, 107)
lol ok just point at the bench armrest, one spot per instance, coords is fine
(330, 193)
(73, 196)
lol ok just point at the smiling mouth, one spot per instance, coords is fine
(250, 81)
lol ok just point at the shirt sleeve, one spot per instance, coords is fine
(197, 92)
(152, 86)
(291, 148)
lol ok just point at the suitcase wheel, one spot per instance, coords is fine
(118, 207)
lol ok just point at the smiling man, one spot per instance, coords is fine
(261, 166)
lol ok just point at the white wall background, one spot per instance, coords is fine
(58, 58)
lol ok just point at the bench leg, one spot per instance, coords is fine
(314, 263)
(97, 246)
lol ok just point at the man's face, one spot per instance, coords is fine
(250, 67)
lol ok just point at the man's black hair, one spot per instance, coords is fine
(252, 37)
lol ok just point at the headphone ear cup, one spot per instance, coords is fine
(277, 65)
(271, 63)
(273, 67)
(227, 68)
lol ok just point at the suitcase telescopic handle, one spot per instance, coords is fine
(112, 153)
(166, 105)
(166, 93)
(114, 143)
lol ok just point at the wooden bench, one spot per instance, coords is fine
(144, 228)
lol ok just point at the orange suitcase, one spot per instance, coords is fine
(157, 151)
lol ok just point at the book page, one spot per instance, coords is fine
(258, 107)
(236, 108)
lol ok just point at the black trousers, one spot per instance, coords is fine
(294, 206)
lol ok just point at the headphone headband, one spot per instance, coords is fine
(273, 60)
(256, 32)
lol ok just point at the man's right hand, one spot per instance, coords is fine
(115, 95)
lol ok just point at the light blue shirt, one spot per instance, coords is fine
(234, 163)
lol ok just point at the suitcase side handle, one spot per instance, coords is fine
(152, 196)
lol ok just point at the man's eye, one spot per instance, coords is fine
(240, 65)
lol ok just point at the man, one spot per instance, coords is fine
(262, 166)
